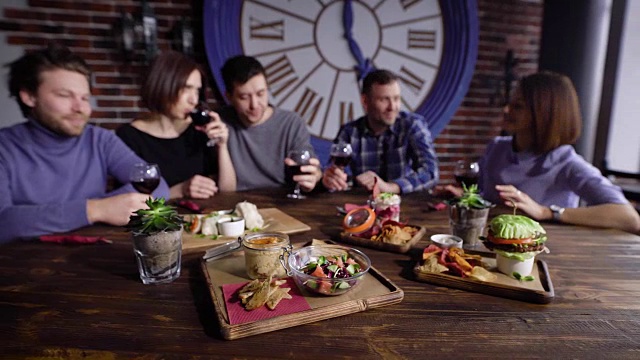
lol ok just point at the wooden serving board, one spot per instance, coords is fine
(374, 291)
(379, 245)
(274, 219)
(539, 291)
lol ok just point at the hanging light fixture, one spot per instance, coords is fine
(131, 34)
(183, 37)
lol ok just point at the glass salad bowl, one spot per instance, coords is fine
(327, 269)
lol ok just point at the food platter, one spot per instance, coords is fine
(375, 290)
(275, 221)
(540, 290)
(384, 246)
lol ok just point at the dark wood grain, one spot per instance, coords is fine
(86, 301)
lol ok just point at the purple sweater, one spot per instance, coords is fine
(46, 179)
(560, 177)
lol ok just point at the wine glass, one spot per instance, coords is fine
(300, 157)
(466, 172)
(145, 177)
(200, 116)
(341, 156)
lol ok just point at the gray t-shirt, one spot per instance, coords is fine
(258, 152)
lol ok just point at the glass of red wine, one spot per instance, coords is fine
(300, 157)
(466, 172)
(200, 116)
(340, 154)
(145, 177)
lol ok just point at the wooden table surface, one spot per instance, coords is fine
(77, 301)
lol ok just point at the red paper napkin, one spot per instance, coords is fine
(238, 314)
(74, 239)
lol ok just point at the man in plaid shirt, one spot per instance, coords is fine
(388, 144)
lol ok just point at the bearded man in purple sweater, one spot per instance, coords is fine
(54, 167)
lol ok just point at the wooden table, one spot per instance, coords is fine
(73, 301)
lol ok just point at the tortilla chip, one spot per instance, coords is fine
(431, 265)
(482, 274)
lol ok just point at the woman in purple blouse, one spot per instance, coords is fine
(538, 171)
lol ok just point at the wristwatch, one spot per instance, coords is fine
(557, 212)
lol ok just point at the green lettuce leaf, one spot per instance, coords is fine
(515, 227)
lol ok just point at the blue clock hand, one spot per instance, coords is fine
(364, 66)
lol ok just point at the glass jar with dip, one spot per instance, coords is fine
(261, 253)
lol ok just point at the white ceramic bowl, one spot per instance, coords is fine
(446, 241)
(509, 266)
(231, 226)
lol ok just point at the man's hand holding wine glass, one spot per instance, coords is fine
(115, 210)
(335, 178)
(304, 169)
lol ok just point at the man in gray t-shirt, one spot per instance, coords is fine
(260, 135)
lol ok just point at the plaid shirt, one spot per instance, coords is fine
(403, 154)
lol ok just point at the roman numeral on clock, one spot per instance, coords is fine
(272, 30)
(280, 75)
(408, 3)
(413, 81)
(419, 39)
(308, 106)
(346, 112)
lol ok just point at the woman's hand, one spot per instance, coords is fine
(215, 129)
(515, 198)
(199, 187)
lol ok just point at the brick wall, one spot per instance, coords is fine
(86, 27)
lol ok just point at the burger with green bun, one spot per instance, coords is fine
(516, 240)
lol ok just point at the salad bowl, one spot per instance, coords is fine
(327, 269)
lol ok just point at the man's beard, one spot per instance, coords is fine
(61, 127)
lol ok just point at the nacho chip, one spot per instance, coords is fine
(482, 274)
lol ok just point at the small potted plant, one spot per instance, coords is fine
(157, 241)
(468, 215)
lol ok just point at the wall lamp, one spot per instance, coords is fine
(134, 33)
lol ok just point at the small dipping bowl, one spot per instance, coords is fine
(446, 241)
(231, 226)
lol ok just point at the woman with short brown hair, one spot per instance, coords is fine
(166, 135)
(537, 170)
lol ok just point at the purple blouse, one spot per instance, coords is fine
(560, 177)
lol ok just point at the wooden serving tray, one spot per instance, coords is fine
(539, 291)
(374, 291)
(379, 245)
(274, 219)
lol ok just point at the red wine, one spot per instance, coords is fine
(146, 186)
(200, 117)
(341, 160)
(294, 170)
(467, 180)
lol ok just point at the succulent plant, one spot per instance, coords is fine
(157, 218)
(471, 199)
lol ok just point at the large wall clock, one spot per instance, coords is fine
(315, 52)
